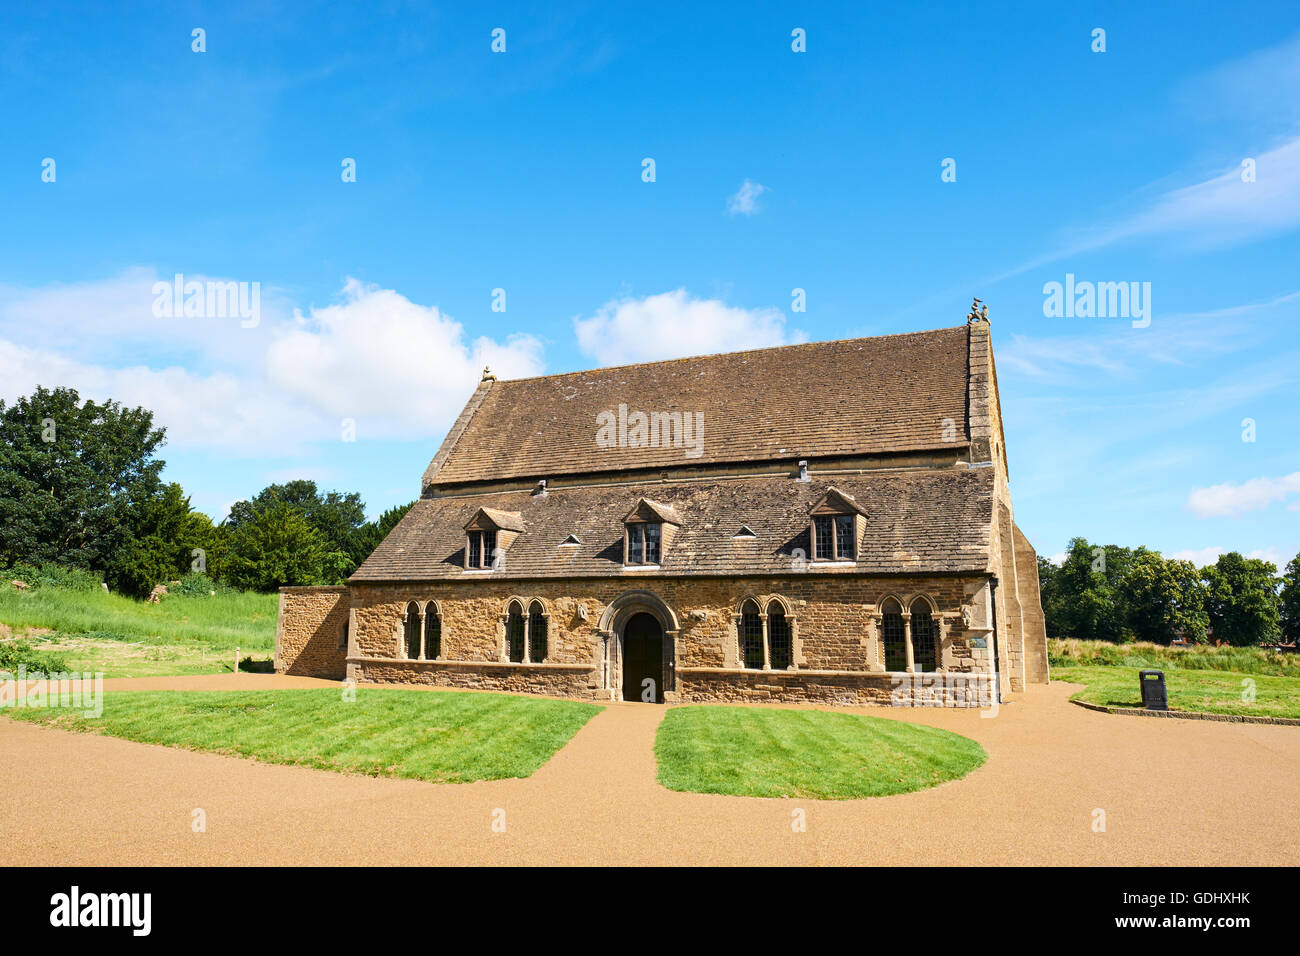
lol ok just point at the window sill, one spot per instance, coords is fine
(642, 567)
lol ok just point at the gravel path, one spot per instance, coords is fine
(1173, 792)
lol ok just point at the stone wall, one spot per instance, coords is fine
(310, 635)
(833, 620)
(1033, 624)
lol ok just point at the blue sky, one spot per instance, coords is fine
(522, 171)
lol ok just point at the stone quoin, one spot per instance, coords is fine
(844, 531)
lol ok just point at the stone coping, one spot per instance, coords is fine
(1187, 714)
(316, 589)
(504, 665)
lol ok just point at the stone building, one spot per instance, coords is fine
(828, 522)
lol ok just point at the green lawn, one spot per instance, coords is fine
(1208, 691)
(750, 752)
(439, 736)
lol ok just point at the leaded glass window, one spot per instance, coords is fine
(925, 644)
(412, 631)
(893, 636)
(778, 638)
(844, 537)
(515, 632)
(825, 538)
(751, 636)
(536, 633)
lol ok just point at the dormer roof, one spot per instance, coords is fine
(486, 518)
(836, 502)
(647, 510)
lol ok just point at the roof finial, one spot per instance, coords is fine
(487, 375)
(978, 313)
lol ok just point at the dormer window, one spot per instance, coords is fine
(643, 543)
(834, 527)
(648, 529)
(487, 536)
(482, 546)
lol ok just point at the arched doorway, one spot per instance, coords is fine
(643, 659)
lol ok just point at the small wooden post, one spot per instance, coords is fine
(236, 659)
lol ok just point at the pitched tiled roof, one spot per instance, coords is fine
(824, 399)
(935, 520)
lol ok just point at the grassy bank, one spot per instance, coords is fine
(242, 619)
(1203, 691)
(805, 753)
(1201, 657)
(438, 736)
(91, 630)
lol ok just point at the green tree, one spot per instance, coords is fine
(69, 471)
(1243, 601)
(335, 516)
(1163, 599)
(366, 538)
(275, 547)
(162, 533)
(1082, 598)
(1290, 600)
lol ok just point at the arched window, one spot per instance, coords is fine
(751, 636)
(432, 632)
(412, 631)
(515, 632)
(893, 636)
(925, 643)
(778, 637)
(536, 633)
(343, 635)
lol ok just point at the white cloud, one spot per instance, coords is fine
(1058, 559)
(378, 354)
(1232, 500)
(744, 201)
(673, 325)
(1200, 557)
(219, 409)
(397, 368)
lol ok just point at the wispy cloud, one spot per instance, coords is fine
(1233, 500)
(1204, 557)
(744, 201)
(1177, 339)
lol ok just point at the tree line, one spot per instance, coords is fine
(81, 486)
(1111, 593)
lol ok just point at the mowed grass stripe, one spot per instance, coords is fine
(438, 736)
(753, 752)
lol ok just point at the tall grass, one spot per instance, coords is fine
(1070, 652)
(226, 620)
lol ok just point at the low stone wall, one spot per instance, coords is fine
(834, 687)
(551, 680)
(311, 632)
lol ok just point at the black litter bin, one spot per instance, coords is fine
(1154, 696)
